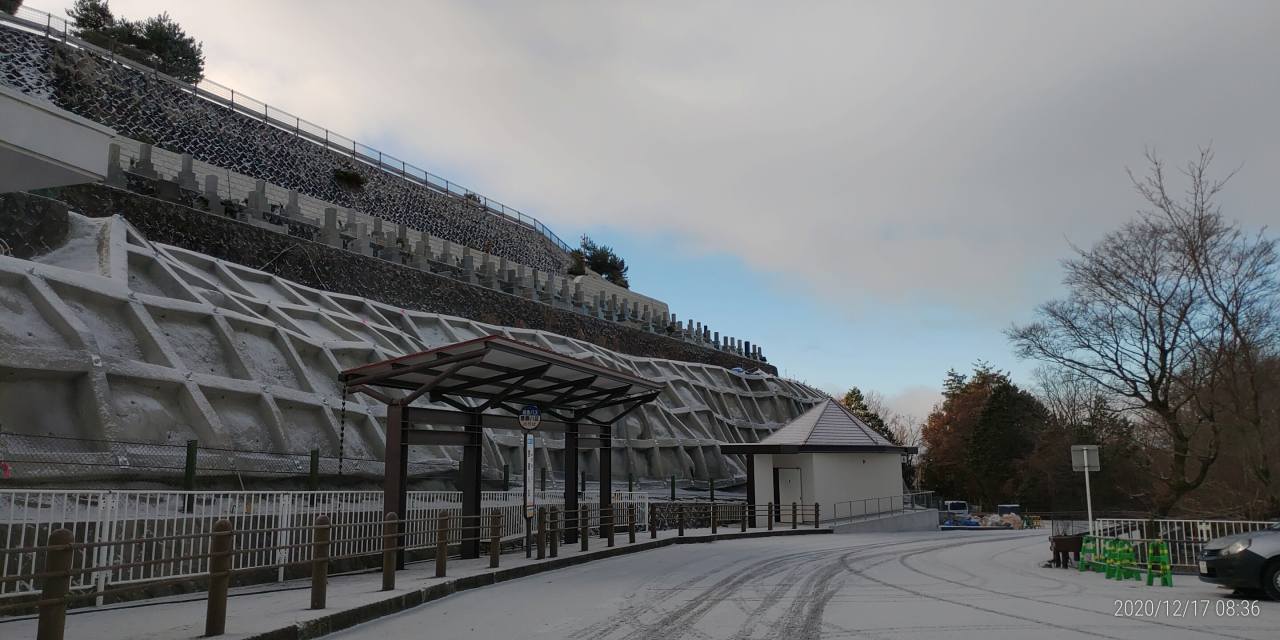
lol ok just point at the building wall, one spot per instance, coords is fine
(841, 477)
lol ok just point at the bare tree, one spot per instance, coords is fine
(1159, 314)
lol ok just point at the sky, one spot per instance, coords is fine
(872, 191)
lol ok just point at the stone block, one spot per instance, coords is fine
(187, 175)
(330, 234)
(144, 166)
(115, 172)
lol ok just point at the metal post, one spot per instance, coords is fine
(680, 520)
(442, 544)
(53, 605)
(189, 473)
(794, 509)
(320, 563)
(542, 486)
(1088, 494)
(472, 455)
(570, 482)
(215, 618)
(609, 510)
(815, 515)
(631, 523)
(583, 485)
(743, 510)
(554, 533)
(395, 481)
(542, 532)
(711, 484)
(769, 516)
(495, 538)
(313, 479)
(389, 552)
(631, 483)
(673, 487)
(713, 518)
(653, 522)
(506, 477)
(585, 525)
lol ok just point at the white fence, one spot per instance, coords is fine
(1185, 538)
(269, 527)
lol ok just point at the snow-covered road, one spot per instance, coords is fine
(985, 585)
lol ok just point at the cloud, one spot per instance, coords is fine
(883, 152)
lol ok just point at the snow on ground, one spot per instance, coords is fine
(943, 585)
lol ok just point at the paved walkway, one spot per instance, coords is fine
(280, 610)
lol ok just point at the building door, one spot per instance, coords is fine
(787, 488)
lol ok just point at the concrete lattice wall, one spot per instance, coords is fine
(112, 337)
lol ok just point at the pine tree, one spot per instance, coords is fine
(856, 403)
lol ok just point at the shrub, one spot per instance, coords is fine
(348, 178)
(10, 6)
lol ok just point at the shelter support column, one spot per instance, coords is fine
(751, 489)
(571, 482)
(395, 476)
(470, 486)
(606, 475)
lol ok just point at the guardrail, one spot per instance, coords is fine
(58, 28)
(1186, 538)
(267, 521)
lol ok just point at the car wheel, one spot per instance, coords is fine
(1271, 580)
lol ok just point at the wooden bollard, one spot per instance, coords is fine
(542, 532)
(680, 520)
(389, 533)
(442, 544)
(215, 618)
(554, 533)
(794, 510)
(320, 563)
(495, 538)
(815, 515)
(631, 523)
(713, 518)
(770, 516)
(609, 533)
(53, 603)
(584, 526)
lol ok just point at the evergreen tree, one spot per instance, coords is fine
(158, 41)
(601, 259)
(856, 403)
(10, 6)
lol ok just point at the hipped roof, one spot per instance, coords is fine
(828, 427)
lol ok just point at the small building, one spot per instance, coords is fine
(826, 456)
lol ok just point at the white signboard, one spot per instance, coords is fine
(529, 496)
(1084, 455)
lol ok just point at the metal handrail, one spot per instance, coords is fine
(897, 503)
(57, 28)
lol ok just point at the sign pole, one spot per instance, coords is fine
(1088, 493)
(530, 417)
(528, 528)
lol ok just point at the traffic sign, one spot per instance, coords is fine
(530, 417)
(1085, 455)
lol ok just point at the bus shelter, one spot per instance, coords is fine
(449, 395)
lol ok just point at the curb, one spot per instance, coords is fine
(347, 618)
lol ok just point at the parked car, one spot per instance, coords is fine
(1002, 509)
(955, 507)
(1244, 561)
